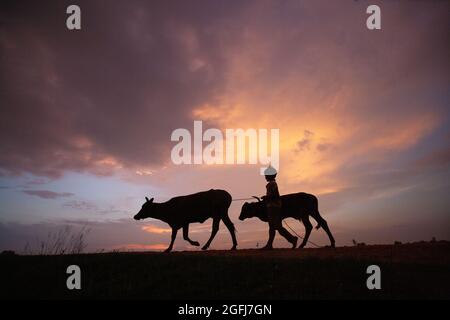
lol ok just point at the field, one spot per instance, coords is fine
(417, 270)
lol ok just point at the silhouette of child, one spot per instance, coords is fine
(273, 205)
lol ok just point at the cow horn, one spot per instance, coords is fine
(257, 198)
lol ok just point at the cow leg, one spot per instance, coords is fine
(215, 228)
(230, 227)
(186, 236)
(174, 235)
(308, 228)
(324, 225)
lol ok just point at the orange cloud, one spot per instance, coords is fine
(403, 135)
(137, 246)
(154, 229)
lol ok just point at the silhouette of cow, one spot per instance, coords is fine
(295, 205)
(179, 212)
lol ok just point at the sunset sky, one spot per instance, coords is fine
(86, 116)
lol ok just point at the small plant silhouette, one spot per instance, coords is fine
(63, 241)
(358, 244)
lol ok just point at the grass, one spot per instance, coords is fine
(66, 240)
(419, 270)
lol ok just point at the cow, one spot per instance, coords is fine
(295, 205)
(179, 212)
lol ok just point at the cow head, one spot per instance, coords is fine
(251, 210)
(147, 210)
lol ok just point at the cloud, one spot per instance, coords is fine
(46, 194)
(437, 158)
(155, 229)
(109, 96)
(305, 142)
(80, 205)
(90, 206)
(141, 247)
(324, 146)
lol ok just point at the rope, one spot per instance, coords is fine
(314, 244)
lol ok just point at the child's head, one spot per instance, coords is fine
(270, 173)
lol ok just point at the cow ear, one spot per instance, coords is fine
(151, 200)
(146, 199)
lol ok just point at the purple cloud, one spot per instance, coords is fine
(109, 95)
(89, 206)
(106, 96)
(46, 194)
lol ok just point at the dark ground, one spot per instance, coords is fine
(419, 270)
